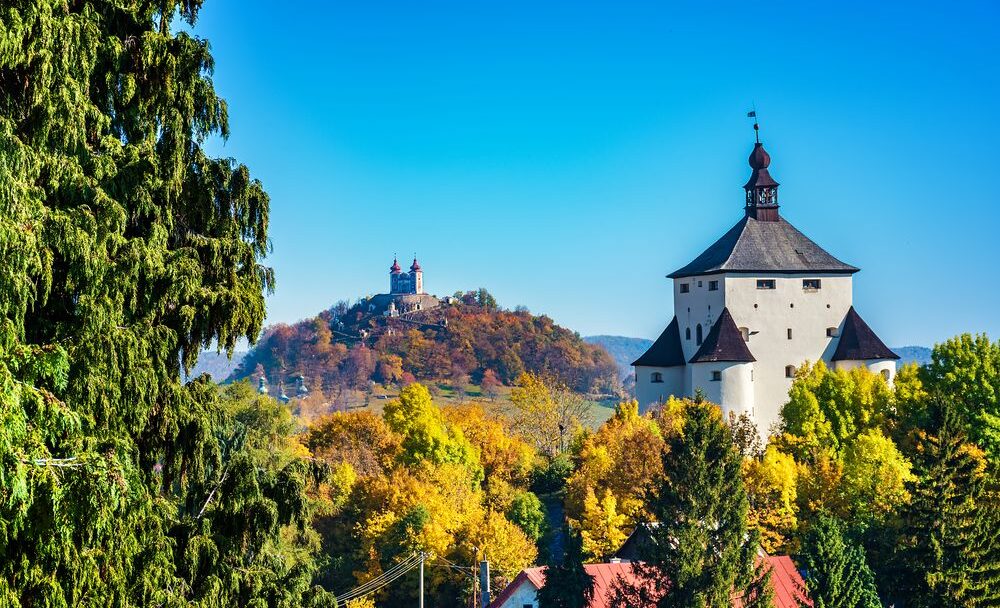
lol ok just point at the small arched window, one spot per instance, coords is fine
(656, 377)
(687, 333)
(697, 333)
(885, 374)
(746, 333)
(789, 371)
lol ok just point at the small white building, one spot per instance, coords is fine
(751, 309)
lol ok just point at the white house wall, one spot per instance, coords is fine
(525, 595)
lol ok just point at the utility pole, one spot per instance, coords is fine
(422, 554)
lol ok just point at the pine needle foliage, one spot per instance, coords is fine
(948, 548)
(836, 571)
(126, 250)
(567, 583)
(702, 552)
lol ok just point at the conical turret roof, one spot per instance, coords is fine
(724, 343)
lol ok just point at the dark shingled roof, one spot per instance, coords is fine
(859, 343)
(724, 343)
(666, 351)
(756, 246)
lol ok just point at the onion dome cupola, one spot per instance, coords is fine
(395, 268)
(761, 189)
(415, 266)
(262, 385)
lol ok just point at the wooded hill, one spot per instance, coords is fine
(468, 340)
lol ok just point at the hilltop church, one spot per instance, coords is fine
(406, 292)
(751, 309)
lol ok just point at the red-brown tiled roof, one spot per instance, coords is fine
(789, 588)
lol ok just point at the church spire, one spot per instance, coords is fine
(762, 190)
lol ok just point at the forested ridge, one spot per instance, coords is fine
(464, 341)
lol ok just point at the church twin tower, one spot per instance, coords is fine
(757, 304)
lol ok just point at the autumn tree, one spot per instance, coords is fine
(875, 477)
(965, 371)
(614, 467)
(827, 408)
(772, 491)
(545, 413)
(419, 486)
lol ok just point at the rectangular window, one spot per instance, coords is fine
(789, 333)
(713, 286)
(811, 284)
(685, 287)
(765, 284)
(699, 283)
(716, 376)
(831, 332)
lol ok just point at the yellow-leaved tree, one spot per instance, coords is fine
(772, 489)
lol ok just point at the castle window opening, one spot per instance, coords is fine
(765, 284)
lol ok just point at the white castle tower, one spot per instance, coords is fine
(751, 309)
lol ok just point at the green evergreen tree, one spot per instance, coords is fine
(702, 551)
(948, 548)
(126, 250)
(567, 583)
(836, 571)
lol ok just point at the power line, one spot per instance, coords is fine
(384, 579)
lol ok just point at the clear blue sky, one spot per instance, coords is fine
(568, 155)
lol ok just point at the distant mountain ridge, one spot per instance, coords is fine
(217, 365)
(624, 350)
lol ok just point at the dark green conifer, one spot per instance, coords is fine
(948, 549)
(126, 250)
(702, 552)
(836, 571)
(567, 584)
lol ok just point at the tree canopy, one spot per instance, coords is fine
(127, 249)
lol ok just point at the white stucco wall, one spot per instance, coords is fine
(525, 595)
(650, 393)
(699, 306)
(733, 391)
(768, 314)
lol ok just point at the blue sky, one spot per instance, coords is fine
(568, 155)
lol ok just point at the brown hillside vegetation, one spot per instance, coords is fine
(469, 340)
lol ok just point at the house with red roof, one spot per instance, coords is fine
(789, 588)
